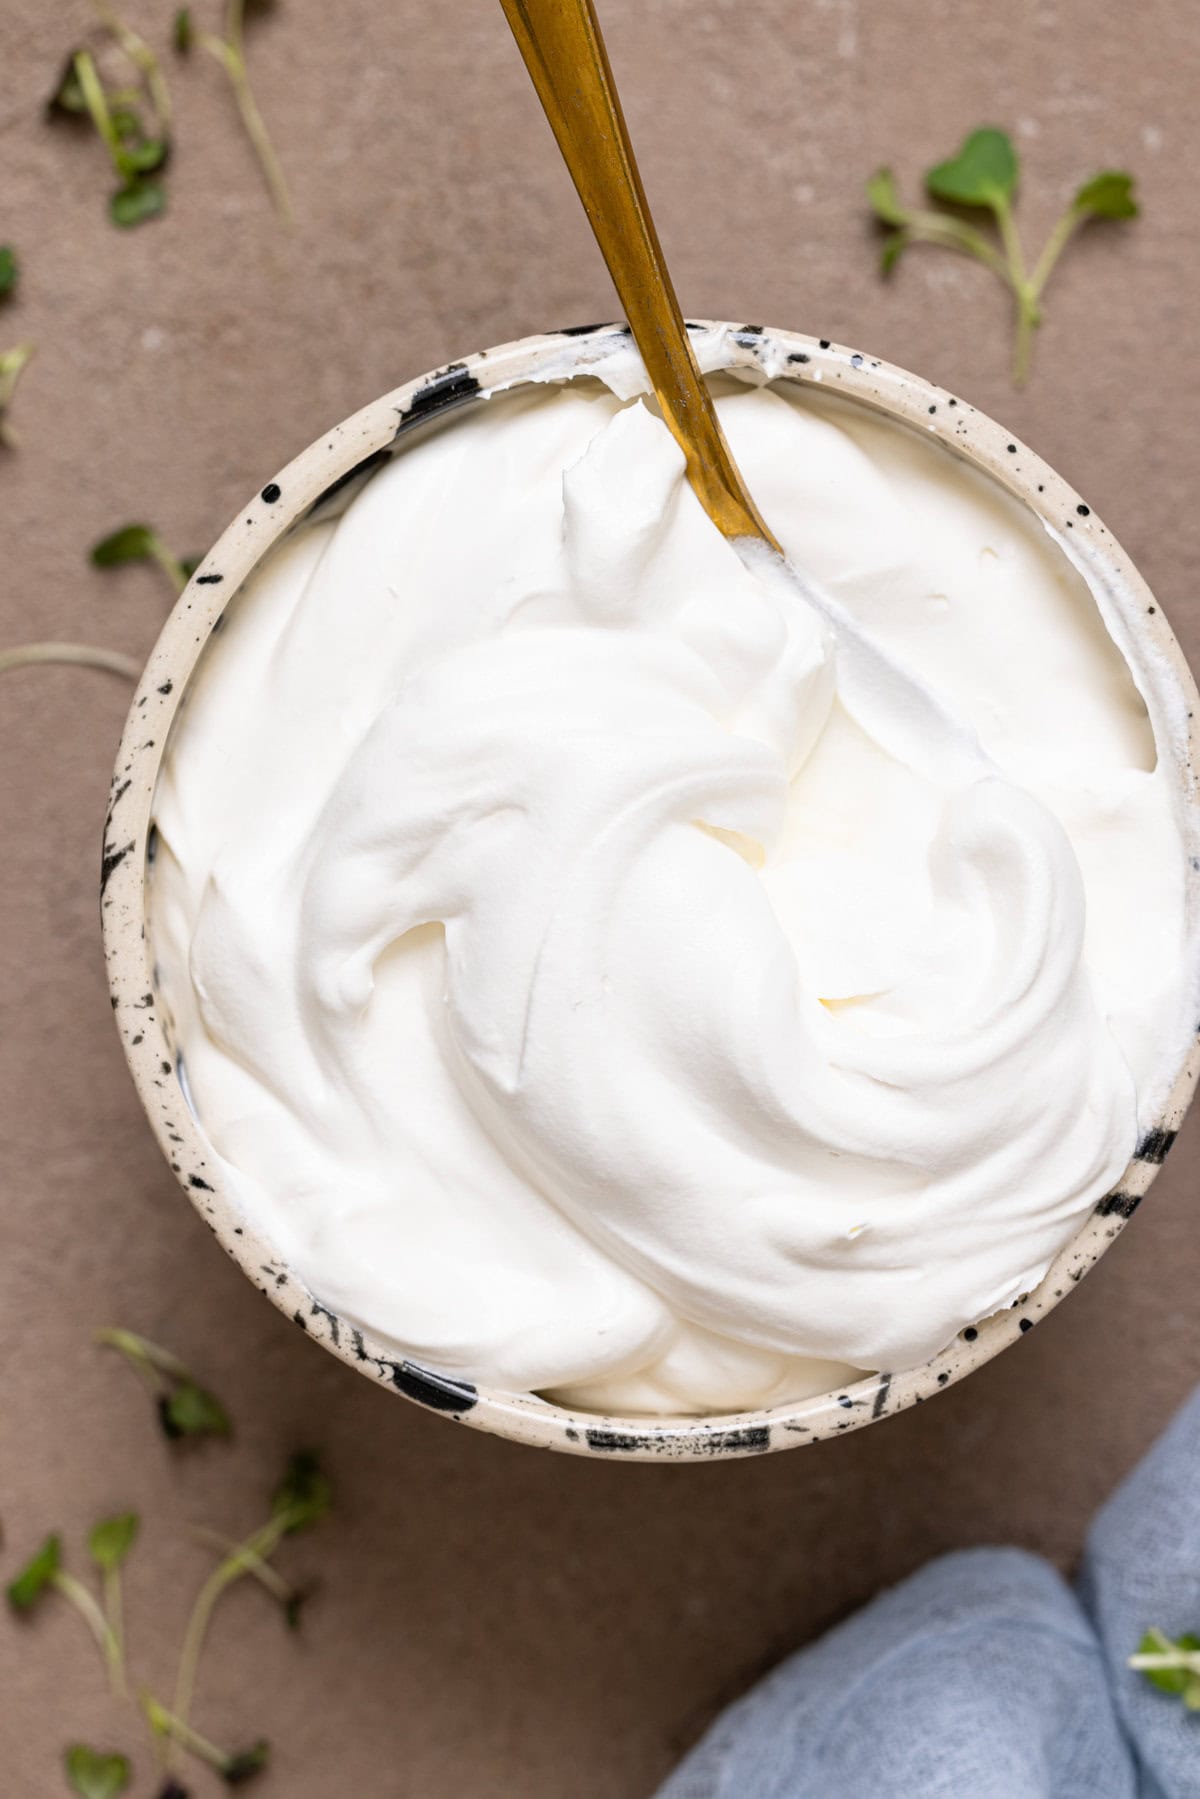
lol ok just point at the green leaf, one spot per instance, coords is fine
(96, 1776)
(243, 1766)
(304, 1495)
(185, 1408)
(144, 157)
(189, 564)
(112, 1539)
(139, 199)
(885, 202)
(984, 173)
(1107, 196)
(894, 247)
(132, 543)
(8, 269)
(67, 99)
(1167, 1680)
(29, 1585)
(192, 1411)
(183, 32)
(125, 121)
(293, 1606)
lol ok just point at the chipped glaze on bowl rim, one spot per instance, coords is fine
(325, 475)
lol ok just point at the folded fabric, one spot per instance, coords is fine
(985, 1677)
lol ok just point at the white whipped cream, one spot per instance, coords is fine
(602, 972)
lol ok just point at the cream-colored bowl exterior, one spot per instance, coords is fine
(339, 458)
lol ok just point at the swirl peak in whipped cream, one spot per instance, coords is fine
(607, 967)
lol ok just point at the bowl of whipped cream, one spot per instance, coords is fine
(624, 1001)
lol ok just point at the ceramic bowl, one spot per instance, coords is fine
(322, 479)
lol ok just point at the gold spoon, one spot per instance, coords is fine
(564, 52)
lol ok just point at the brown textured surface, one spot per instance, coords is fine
(495, 1621)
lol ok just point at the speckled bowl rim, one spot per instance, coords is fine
(332, 467)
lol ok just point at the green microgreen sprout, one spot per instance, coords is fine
(290, 1599)
(66, 100)
(185, 1408)
(302, 1498)
(93, 1775)
(984, 175)
(9, 270)
(132, 123)
(229, 49)
(142, 543)
(108, 1544)
(12, 366)
(188, 1409)
(143, 59)
(44, 1573)
(135, 153)
(235, 1767)
(1172, 1664)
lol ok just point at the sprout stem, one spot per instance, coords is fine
(953, 234)
(1028, 317)
(171, 566)
(1010, 237)
(76, 1594)
(230, 52)
(146, 1357)
(12, 366)
(142, 57)
(240, 1560)
(252, 1562)
(1055, 244)
(92, 89)
(114, 1612)
(80, 655)
(175, 1729)
(1186, 1659)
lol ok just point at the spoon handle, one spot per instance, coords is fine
(564, 52)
